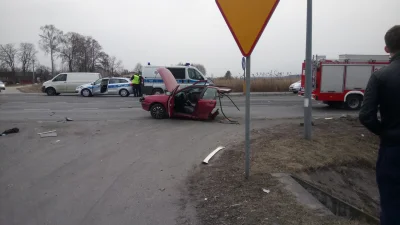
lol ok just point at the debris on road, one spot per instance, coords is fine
(10, 131)
(68, 119)
(48, 134)
(205, 161)
(266, 190)
(162, 189)
(329, 118)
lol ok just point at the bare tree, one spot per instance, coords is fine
(70, 45)
(114, 65)
(8, 53)
(201, 68)
(49, 42)
(138, 67)
(228, 75)
(26, 55)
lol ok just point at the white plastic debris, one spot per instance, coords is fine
(266, 190)
(48, 134)
(205, 161)
(329, 118)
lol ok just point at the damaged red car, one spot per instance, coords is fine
(193, 102)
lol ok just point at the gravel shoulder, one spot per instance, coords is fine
(340, 160)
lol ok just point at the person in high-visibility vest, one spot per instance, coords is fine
(135, 84)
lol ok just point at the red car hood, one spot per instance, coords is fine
(168, 78)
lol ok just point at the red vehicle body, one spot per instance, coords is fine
(192, 102)
(344, 80)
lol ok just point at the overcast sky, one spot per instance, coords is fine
(166, 32)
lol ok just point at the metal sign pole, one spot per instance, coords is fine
(308, 86)
(247, 118)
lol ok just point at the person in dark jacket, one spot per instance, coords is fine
(382, 93)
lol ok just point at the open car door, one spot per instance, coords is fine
(207, 103)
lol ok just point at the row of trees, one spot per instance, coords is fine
(80, 53)
(11, 56)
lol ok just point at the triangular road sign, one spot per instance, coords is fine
(247, 20)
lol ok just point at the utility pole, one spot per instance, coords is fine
(308, 83)
(33, 71)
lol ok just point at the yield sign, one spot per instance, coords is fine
(247, 20)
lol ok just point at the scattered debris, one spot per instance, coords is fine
(162, 189)
(68, 119)
(57, 141)
(362, 135)
(205, 199)
(329, 118)
(10, 131)
(52, 113)
(234, 205)
(266, 190)
(205, 161)
(48, 134)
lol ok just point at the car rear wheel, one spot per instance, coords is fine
(86, 93)
(50, 91)
(124, 93)
(353, 102)
(157, 91)
(158, 111)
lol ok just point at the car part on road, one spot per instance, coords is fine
(220, 104)
(48, 134)
(124, 93)
(205, 161)
(158, 111)
(10, 131)
(86, 93)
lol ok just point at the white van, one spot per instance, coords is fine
(184, 75)
(68, 82)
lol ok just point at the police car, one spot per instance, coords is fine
(107, 86)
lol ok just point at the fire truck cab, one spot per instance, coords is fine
(342, 81)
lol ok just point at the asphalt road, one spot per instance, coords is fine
(113, 164)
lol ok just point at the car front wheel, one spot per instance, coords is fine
(50, 91)
(158, 111)
(86, 93)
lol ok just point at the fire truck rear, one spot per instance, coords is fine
(342, 81)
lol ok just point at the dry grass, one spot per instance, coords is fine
(273, 84)
(223, 196)
(36, 88)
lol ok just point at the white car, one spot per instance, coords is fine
(295, 87)
(107, 86)
(2, 86)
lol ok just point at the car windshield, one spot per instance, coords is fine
(98, 81)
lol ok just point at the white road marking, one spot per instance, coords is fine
(36, 109)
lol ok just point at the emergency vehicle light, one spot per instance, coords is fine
(148, 63)
(187, 64)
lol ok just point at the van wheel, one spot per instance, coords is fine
(86, 93)
(124, 93)
(353, 102)
(157, 91)
(51, 91)
(158, 111)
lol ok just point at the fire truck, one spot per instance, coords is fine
(342, 81)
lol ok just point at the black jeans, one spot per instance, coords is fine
(388, 179)
(135, 90)
(139, 90)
